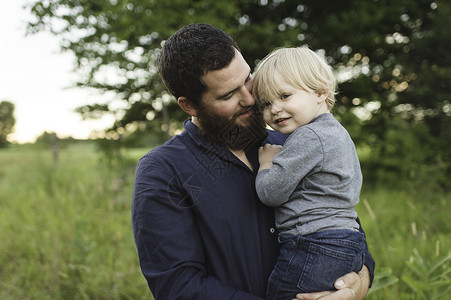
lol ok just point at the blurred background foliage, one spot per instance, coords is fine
(392, 61)
(7, 121)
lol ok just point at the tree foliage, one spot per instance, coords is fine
(7, 121)
(392, 59)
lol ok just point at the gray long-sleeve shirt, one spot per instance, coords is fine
(315, 179)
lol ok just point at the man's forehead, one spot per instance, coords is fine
(228, 78)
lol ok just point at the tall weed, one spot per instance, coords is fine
(65, 228)
(396, 222)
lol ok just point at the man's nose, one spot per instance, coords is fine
(246, 97)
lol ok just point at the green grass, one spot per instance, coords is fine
(397, 224)
(65, 229)
(66, 234)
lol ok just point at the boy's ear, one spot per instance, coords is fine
(322, 97)
(187, 106)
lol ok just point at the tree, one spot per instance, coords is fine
(392, 59)
(7, 121)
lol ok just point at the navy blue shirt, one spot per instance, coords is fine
(200, 230)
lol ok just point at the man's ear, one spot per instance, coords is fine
(187, 106)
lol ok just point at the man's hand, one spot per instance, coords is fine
(266, 154)
(349, 287)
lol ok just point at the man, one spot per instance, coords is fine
(199, 227)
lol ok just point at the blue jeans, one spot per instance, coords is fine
(313, 262)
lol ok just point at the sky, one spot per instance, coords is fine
(38, 79)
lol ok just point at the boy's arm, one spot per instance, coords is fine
(266, 155)
(300, 154)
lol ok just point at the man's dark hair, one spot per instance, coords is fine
(190, 53)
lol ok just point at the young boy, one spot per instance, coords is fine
(314, 181)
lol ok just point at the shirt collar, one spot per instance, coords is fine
(194, 133)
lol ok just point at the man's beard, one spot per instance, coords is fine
(228, 133)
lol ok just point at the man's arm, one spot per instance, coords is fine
(169, 245)
(351, 286)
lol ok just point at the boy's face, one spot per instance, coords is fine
(295, 107)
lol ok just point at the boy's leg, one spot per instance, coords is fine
(282, 283)
(329, 255)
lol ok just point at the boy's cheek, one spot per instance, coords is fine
(267, 115)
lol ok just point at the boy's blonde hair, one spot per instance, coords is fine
(300, 67)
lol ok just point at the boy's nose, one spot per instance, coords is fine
(275, 109)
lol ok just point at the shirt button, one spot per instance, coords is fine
(272, 230)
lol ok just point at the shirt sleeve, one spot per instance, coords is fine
(170, 248)
(300, 154)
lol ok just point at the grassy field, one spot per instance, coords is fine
(66, 234)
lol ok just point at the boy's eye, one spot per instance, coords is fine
(266, 104)
(284, 96)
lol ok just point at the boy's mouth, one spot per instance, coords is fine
(280, 120)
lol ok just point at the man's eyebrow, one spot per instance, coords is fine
(225, 95)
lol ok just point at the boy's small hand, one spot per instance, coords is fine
(266, 155)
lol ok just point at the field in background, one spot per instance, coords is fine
(65, 230)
